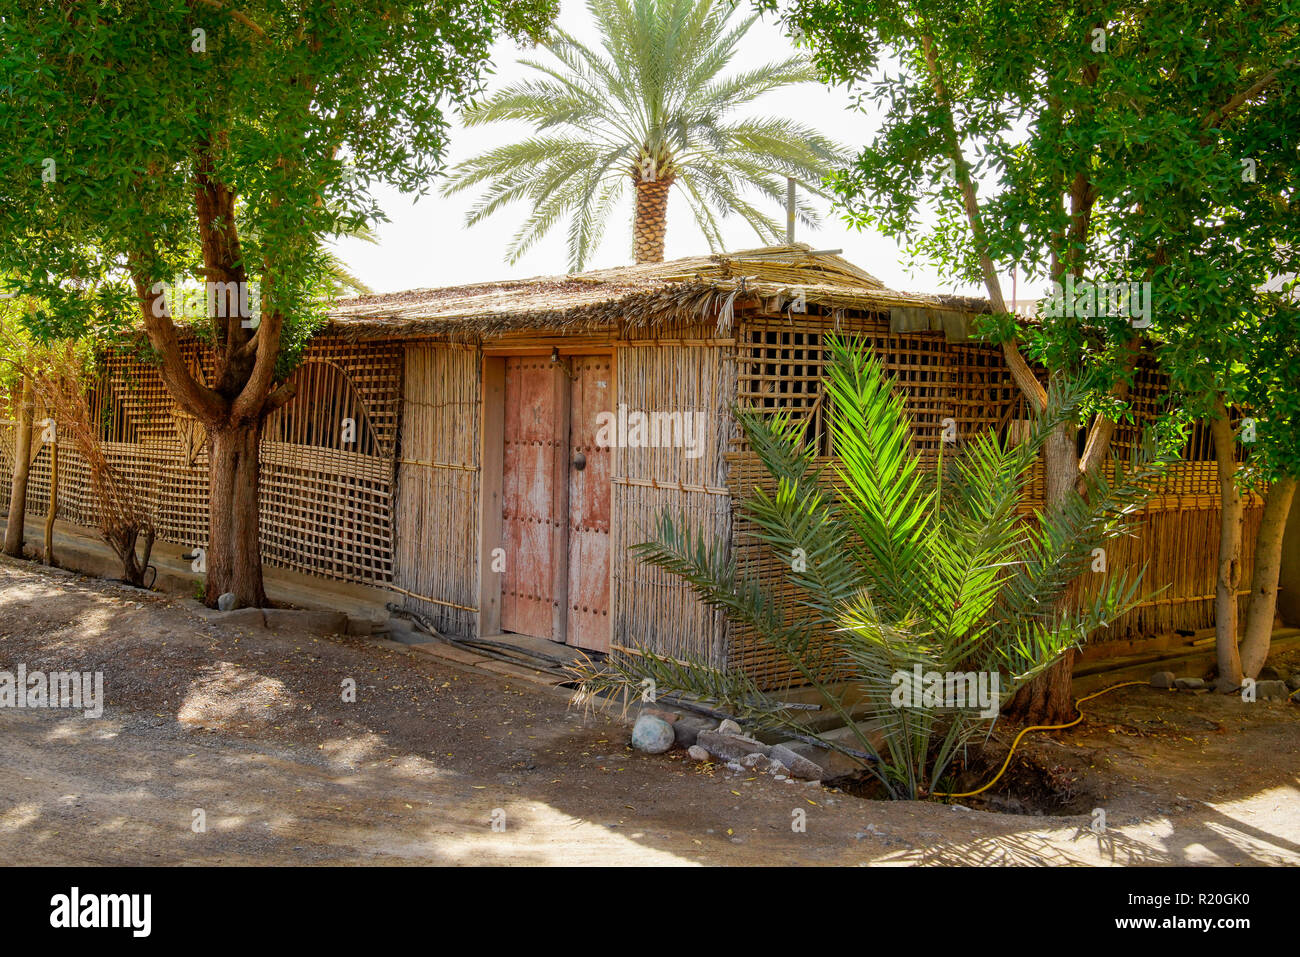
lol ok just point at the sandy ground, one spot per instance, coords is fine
(250, 728)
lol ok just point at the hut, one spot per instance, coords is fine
(511, 441)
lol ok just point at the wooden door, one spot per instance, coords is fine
(556, 500)
(589, 500)
(531, 459)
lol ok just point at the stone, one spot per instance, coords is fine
(1163, 679)
(1270, 690)
(670, 716)
(652, 735)
(752, 761)
(834, 764)
(730, 747)
(1189, 684)
(688, 727)
(797, 764)
(226, 601)
(735, 766)
(729, 727)
(1226, 686)
(698, 753)
(1294, 682)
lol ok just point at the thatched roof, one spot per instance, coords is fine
(641, 297)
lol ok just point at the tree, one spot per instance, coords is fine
(16, 380)
(1012, 125)
(652, 108)
(1194, 115)
(897, 571)
(158, 141)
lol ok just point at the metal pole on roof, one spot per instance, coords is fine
(789, 210)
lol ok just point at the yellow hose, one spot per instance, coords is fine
(1025, 731)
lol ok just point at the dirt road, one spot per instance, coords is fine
(434, 764)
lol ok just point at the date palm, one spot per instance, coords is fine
(891, 564)
(653, 108)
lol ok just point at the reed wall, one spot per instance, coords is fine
(438, 484)
(652, 609)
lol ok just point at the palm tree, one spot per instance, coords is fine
(650, 108)
(894, 565)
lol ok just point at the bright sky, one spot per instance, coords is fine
(426, 243)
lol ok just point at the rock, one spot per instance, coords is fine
(669, 716)
(226, 601)
(1189, 684)
(652, 735)
(1226, 686)
(752, 761)
(797, 764)
(1163, 679)
(729, 727)
(1268, 674)
(834, 764)
(688, 727)
(730, 747)
(1294, 682)
(735, 766)
(1270, 690)
(698, 753)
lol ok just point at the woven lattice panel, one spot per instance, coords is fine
(326, 492)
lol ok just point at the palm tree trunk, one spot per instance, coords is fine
(651, 220)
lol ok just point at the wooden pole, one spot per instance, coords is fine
(54, 493)
(789, 210)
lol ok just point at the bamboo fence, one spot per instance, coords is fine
(653, 609)
(326, 492)
(781, 364)
(439, 482)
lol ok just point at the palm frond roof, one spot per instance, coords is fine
(641, 298)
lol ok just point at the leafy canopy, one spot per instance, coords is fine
(111, 110)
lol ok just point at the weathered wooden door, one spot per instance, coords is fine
(589, 488)
(556, 500)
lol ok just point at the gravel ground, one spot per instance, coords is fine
(438, 764)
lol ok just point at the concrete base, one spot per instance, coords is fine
(81, 549)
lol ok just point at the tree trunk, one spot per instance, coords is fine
(1049, 698)
(1262, 605)
(234, 555)
(14, 529)
(651, 222)
(1229, 573)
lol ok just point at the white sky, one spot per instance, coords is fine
(426, 243)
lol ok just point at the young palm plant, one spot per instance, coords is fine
(899, 568)
(652, 108)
